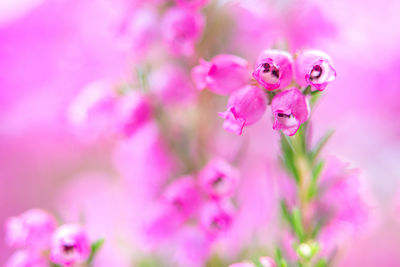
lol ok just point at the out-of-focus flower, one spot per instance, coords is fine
(70, 245)
(140, 30)
(134, 109)
(274, 69)
(171, 84)
(92, 112)
(216, 217)
(183, 195)
(192, 3)
(290, 109)
(219, 179)
(26, 258)
(32, 229)
(313, 67)
(267, 262)
(182, 28)
(222, 75)
(193, 247)
(245, 107)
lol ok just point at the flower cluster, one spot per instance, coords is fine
(274, 73)
(41, 241)
(199, 201)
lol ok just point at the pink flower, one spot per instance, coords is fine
(25, 258)
(274, 69)
(92, 112)
(222, 75)
(216, 217)
(192, 3)
(267, 262)
(171, 84)
(32, 229)
(290, 109)
(313, 67)
(183, 195)
(133, 111)
(219, 179)
(182, 28)
(245, 107)
(70, 245)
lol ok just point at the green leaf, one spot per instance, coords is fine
(288, 156)
(280, 261)
(320, 145)
(321, 263)
(95, 247)
(313, 189)
(298, 224)
(315, 95)
(286, 213)
(55, 265)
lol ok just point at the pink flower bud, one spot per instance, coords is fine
(25, 258)
(216, 217)
(182, 28)
(267, 262)
(133, 110)
(290, 109)
(183, 195)
(70, 245)
(274, 69)
(32, 229)
(245, 107)
(222, 75)
(313, 67)
(219, 179)
(171, 84)
(192, 3)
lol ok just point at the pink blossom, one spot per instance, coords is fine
(267, 262)
(313, 67)
(70, 245)
(183, 195)
(192, 3)
(182, 28)
(216, 217)
(274, 69)
(290, 109)
(193, 247)
(219, 179)
(91, 113)
(134, 110)
(171, 84)
(245, 107)
(222, 75)
(32, 229)
(25, 258)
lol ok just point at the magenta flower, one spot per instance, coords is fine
(290, 109)
(26, 258)
(216, 217)
(222, 75)
(133, 111)
(183, 195)
(313, 67)
(274, 69)
(245, 107)
(192, 3)
(182, 28)
(171, 84)
(70, 245)
(219, 179)
(32, 229)
(267, 262)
